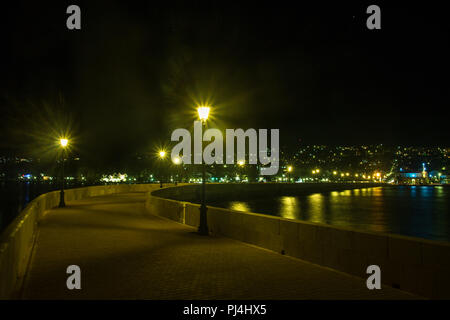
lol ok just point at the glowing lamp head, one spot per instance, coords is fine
(289, 168)
(176, 160)
(203, 113)
(162, 154)
(241, 162)
(64, 142)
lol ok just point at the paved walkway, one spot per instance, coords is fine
(125, 253)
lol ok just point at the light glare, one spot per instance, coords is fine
(203, 113)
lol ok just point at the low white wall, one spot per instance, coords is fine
(415, 265)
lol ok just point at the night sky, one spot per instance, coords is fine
(135, 72)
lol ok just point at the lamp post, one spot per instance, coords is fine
(241, 164)
(162, 155)
(289, 170)
(203, 113)
(176, 161)
(63, 142)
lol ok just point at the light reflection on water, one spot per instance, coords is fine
(239, 206)
(412, 211)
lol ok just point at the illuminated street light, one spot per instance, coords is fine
(162, 155)
(289, 170)
(335, 172)
(203, 113)
(241, 162)
(176, 161)
(64, 143)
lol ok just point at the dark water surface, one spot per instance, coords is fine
(417, 211)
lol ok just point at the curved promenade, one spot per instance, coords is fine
(127, 250)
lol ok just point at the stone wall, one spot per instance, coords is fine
(245, 191)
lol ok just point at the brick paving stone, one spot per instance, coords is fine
(126, 253)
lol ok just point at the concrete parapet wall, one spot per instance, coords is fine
(16, 241)
(238, 191)
(411, 264)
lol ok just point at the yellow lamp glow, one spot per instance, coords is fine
(162, 154)
(241, 162)
(203, 112)
(176, 160)
(289, 169)
(64, 142)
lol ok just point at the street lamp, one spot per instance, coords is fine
(162, 155)
(240, 171)
(63, 142)
(203, 112)
(289, 170)
(176, 161)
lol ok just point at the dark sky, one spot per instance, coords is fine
(135, 72)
